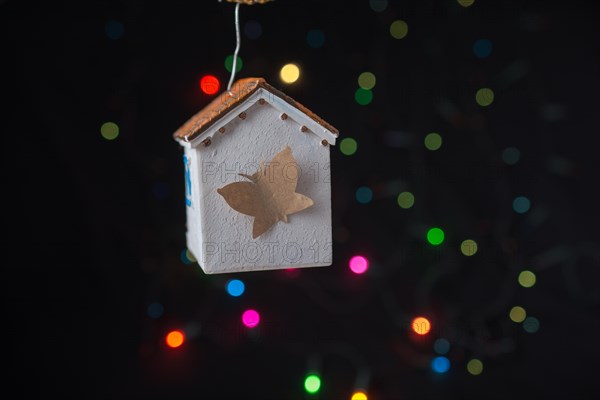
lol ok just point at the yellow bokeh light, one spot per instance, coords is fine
(109, 130)
(484, 97)
(468, 247)
(527, 279)
(367, 80)
(475, 367)
(517, 314)
(421, 326)
(398, 29)
(465, 3)
(359, 396)
(289, 73)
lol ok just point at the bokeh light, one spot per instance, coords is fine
(435, 236)
(235, 287)
(209, 84)
(468, 247)
(433, 141)
(360, 395)
(289, 73)
(186, 257)
(440, 364)
(531, 325)
(521, 204)
(364, 195)
(367, 80)
(398, 29)
(363, 96)
(252, 29)
(484, 97)
(378, 5)
(441, 346)
(175, 339)
(465, 3)
(312, 383)
(114, 29)
(475, 366)
(250, 318)
(406, 200)
(527, 279)
(482, 48)
(229, 63)
(358, 264)
(517, 314)
(109, 130)
(315, 38)
(155, 310)
(348, 146)
(511, 155)
(421, 326)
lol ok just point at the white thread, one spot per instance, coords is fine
(237, 46)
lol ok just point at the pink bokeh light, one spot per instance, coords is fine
(250, 318)
(359, 264)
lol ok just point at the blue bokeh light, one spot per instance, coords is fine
(441, 346)
(114, 29)
(440, 365)
(482, 48)
(315, 38)
(155, 310)
(235, 287)
(364, 195)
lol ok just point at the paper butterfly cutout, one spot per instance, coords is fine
(270, 196)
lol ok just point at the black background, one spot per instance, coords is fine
(94, 229)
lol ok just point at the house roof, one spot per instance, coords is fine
(222, 104)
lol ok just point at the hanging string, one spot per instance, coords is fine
(237, 46)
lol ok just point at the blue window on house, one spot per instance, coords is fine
(188, 181)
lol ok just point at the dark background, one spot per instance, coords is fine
(95, 229)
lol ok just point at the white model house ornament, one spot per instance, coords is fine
(257, 182)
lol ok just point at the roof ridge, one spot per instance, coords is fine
(240, 91)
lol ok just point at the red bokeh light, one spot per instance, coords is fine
(209, 84)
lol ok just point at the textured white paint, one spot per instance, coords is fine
(193, 231)
(223, 240)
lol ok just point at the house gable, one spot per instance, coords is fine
(245, 94)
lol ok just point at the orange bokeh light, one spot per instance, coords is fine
(175, 339)
(421, 326)
(209, 84)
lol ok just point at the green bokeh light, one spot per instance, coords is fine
(406, 200)
(348, 146)
(398, 29)
(363, 96)
(109, 130)
(312, 384)
(484, 97)
(433, 141)
(229, 63)
(367, 80)
(435, 236)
